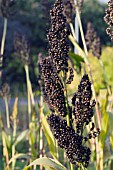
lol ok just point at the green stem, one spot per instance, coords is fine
(72, 166)
(28, 92)
(13, 147)
(81, 30)
(41, 130)
(7, 112)
(72, 30)
(3, 41)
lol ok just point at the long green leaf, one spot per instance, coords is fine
(17, 156)
(77, 59)
(105, 128)
(21, 136)
(47, 162)
(49, 135)
(8, 143)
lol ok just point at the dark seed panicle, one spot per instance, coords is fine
(58, 37)
(109, 19)
(93, 41)
(22, 48)
(7, 8)
(53, 87)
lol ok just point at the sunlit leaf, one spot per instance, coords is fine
(77, 59)
(15, 109)
(21, 137)
(105, 128)
(111, 141)
(49, 135)
(6, 138)
(17, 156)
(47, 162)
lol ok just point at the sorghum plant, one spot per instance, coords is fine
(5, 94)
(68, 122)
(69, 10)
(6, 10)
(22, 48)
(109, 19)
(93, 41)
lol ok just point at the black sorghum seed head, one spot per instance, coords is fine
(7, 8)
(22, 48)
(93, 41)
(58, 37)
(69, 140)
(83, 109)
(80, 4)
(71, 76)
(109, 18)
(69, 10)
(53, 87)
(5, 91)
(96, 47)
(89, 35)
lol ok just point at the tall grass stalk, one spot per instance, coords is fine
(28, 92)
(3, 41)
(14, 120)
(7, 112)
(5, 150)
(41, 130)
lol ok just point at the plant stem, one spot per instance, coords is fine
(13, 147)
(3, 42)
(7, 112)
(72, 30)
(28, 92)
(81, 30)
(41, 130)
(72, 166)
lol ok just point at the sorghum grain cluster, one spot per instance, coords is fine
(80, 4)
(83, 107)
(93, 41)
(5, 91)
(109, 18)
(69, 10)
(7, 8)
(58, 37)
(53, 87)
(69, 140)
(22, 48)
